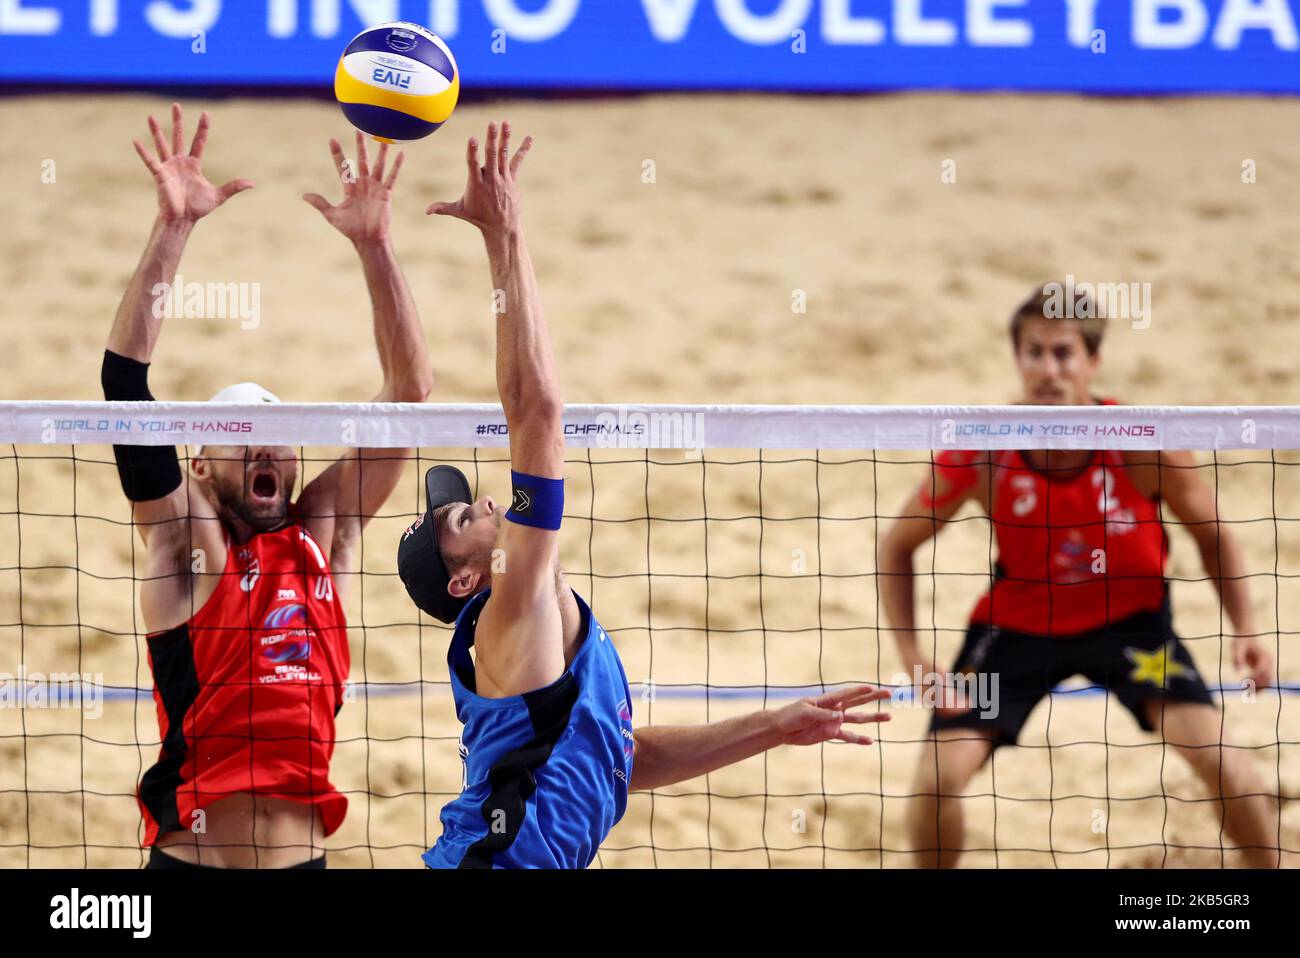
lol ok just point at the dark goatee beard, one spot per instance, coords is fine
(260, 517)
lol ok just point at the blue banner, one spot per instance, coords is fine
(1134, 46)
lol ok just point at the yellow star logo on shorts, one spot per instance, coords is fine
(1156, 667)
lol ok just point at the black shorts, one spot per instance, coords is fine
(1139, 659)
(160, 859)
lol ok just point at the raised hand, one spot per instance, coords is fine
(184, 193)
(821, 719)
(366, 210)
(491, 200)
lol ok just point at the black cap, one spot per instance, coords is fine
(419, 561)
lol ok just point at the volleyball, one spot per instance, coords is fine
(397, 81)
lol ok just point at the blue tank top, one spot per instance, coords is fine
(545, 773)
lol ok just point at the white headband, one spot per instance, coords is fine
(242, 393)
(245, 393)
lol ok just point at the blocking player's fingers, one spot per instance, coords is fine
(471, 156)
(201, 136)
(392, 174)
(340, 161)
(380, 162)
(149, 160)
(318, 201)
(178, 130)
(522, 152)
(159, 144)
(866, 718)
(227, 190)
(490, 151)
(503, 151)
(363, 158)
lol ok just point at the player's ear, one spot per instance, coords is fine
(464, 584)
(200, 467)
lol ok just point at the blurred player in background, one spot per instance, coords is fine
(242, 595)
(1079, 588)
(548, 745)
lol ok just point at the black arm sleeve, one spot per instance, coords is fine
(147, 472)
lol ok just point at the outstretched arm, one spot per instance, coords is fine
(184, 197)
(342, 499)
(525, 364)
(162, 504)
(137, 324)
(666, 754)
(365, 218)
(151, 475)
(519, 636)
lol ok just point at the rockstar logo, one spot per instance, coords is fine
(1156, 667)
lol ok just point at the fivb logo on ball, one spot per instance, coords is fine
(397, 82)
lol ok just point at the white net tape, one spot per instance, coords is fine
(654, 426)
(734, 567)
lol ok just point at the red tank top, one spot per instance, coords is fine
(1073, 553)
(248, 688)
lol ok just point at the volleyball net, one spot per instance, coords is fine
(731, 554)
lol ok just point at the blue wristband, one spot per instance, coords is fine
(536, 502)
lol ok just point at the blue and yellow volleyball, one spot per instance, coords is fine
(397, 81)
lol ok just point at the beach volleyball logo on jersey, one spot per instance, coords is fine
(1073, 560)
(289, 642)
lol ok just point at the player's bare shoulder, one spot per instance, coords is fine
(1156, 472)
(1145, 467)
(318, 512)
(956, 476)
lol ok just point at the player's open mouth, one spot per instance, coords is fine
(265, 487)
